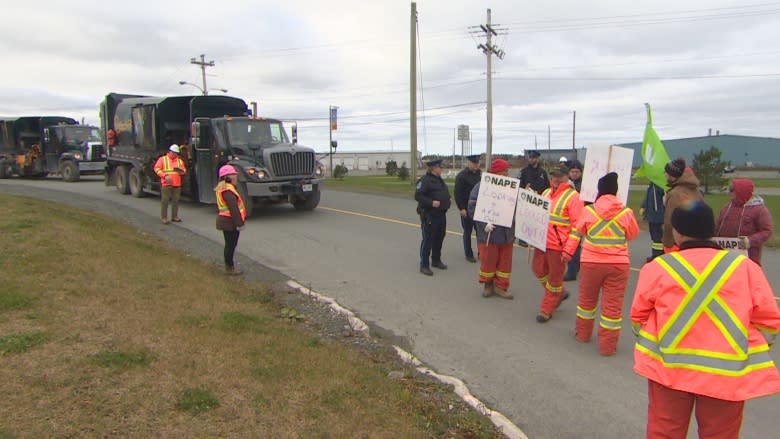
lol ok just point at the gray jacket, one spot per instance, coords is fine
(500, 235)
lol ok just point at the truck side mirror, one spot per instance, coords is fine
(46, 135)
(334, 144)
(294, 130)
(195, 133)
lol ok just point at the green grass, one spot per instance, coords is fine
(237, 322)
(123, 360)
(377, 183)
(197, 400)
(10, 299)
(19, 343)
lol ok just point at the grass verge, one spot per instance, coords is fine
(105, 331)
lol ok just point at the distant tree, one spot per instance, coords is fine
(340, 171)
(403, 172)
(391, 167)
(709, 168)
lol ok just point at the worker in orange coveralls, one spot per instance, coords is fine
(548, 266)
(606, 226)
(705, 319)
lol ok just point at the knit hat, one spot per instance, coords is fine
(575, 164)
(676, 167)
(499, 165)
(694, 219)
(608, 184)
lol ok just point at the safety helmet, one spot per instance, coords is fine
(174, 148)
(563, 159)
(227, 170)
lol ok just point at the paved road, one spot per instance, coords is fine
(362, 250)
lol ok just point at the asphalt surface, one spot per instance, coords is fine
(362, 249)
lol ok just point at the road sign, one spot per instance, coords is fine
(463, 132)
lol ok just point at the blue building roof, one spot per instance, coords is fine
(761, 151)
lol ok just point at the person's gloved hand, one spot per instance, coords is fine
(489, 227)
(744, 242)
(168, 179)
(641, 211)
(565, 257)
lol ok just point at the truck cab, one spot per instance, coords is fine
(76, 149)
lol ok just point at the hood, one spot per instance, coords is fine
(608, 205)
(688, 178)
(743, 190)
(755, 200)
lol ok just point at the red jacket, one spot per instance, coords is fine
(604, 241)
(705, 318)
(565, 209)
(746, 215)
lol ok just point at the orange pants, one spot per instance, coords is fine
(611, 280)
(669, 413)
(495, 264)
(548, 268)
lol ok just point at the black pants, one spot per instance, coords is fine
(657, 236)
(231, 241)
(468, 227)
(433, 230)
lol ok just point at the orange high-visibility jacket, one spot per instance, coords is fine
(223, 208)
(605, 227)
(705, 320)
(166, 165)
(565, 209)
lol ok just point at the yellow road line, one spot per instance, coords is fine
(407, 223)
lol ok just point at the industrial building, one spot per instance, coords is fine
(368, 160)
(739, 150)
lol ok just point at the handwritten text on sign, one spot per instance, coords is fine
(532, 217)
(496, 200)
(601, 160)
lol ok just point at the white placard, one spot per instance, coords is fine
(496, 200)
(532, 217)
(731, 244)
(601, 160)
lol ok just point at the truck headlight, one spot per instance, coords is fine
(77, 156)
(256, 173)
(319, 170)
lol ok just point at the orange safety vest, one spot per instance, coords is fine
(165, 166)
(704, 320)
(605, 241)
(564, 213)
(224, 209)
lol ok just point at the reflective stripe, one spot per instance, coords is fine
(635, 328)
(595, 234)
(587, 314)
(769, 334)
(553, 289)
(503, 274)
(223, 208)
(542, 280)
(486, 274)
(702, 298)
(556, 213)
(611, 324)
(657, 245)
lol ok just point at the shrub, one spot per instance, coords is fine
(340, 171)
(391, 167)
(403, 172)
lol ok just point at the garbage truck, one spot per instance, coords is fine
(37, 146)
(211, 131)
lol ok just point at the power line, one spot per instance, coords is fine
(639, 78)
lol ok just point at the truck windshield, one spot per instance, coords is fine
(249, 132)
(77, 135)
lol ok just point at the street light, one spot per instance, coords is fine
(223, 90)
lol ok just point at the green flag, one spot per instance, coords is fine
(654, 156)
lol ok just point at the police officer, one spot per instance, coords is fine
(464, 182)
(433, 200)
(533, 176)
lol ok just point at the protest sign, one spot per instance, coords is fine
(731, 244)
(601, 160)
(532, 216)
(496, 200)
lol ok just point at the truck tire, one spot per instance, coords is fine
(69, 171)
(136, 183)
(5, 170)
(122, 183)
(308, 203)
(248, 204)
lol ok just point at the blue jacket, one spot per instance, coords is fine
(654, 204)
(500, 235)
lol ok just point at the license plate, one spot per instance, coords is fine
(306, 188)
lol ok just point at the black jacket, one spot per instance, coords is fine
(654, 204)
(464, 182)
(431, 187)
(536, 177)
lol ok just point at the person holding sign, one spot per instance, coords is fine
(705, 319)
(746, 217)
(494, 244)
(433, 200)
(464, 183)
(605, 226)
(548, 265)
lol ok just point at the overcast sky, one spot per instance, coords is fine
(701, 64)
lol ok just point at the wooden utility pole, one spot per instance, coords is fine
(489, 49)
(573, 131)
(203, 64)
(413, 90)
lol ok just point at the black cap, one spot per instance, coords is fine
(473, 158)
(608, 184)
(575, 164)
(694, 219)
(433, 163)
(533, 153)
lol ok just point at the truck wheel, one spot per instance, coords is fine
(248, 204)
(5, 170)
(136, 183)
(308, 203)
(69, 171)
(122, 183)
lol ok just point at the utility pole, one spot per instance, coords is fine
(203, 64)
(548, 137)
(489, 49)
(573, 130)
(413, 90)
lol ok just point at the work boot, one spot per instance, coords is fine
(471, 259)
(426, 271)
(504, 293)
(542, 318)
(232, 271)
(487, 289)
(440, 265)
(165, 221)
(569, 277)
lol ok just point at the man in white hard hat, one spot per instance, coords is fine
(170, 168)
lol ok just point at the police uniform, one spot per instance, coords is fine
(534, 177)
(433, 220)
(464, 183)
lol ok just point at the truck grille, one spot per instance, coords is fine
(284, 164)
